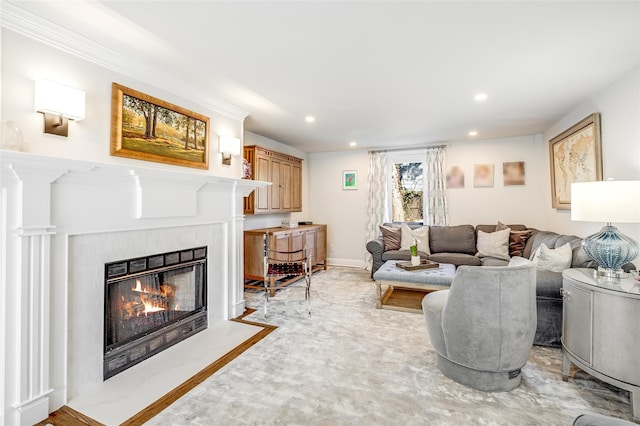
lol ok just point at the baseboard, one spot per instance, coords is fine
(351, 263)
(238, 309)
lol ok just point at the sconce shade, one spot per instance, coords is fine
(607, 201)
(229, 146)
(59, 104)
(55, 98)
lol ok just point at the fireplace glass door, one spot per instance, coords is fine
(145, 298)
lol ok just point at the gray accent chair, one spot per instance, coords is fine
(482, 328)
(591, 419)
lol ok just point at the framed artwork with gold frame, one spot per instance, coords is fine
(150, 129)
(575, 156)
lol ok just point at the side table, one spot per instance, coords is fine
(601, 329)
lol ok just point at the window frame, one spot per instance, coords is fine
(409, 156)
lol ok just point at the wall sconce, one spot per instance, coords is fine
(59, 104)
(229, 146)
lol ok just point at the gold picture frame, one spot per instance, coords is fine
(150, 129)
(575, 156)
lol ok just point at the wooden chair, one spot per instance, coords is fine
(285, 264)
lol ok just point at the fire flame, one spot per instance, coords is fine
(151, 303)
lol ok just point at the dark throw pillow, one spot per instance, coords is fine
(517, 241)
(391, 236)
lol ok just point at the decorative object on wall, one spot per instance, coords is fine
(229, 147)
(483, 175)
(349, 179)
(607, 202)
(12, 138)
(455, 177)
(513, 173)
(147, 128)
(576, 156)
(59, 104)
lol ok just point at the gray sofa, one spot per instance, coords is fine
(457, 245)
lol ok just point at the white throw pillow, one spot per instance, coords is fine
(421, 235)
(555, 260)
(494, 244)
(519, 261)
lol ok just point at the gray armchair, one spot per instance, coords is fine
(482, 328)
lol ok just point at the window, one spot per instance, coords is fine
(406, 188)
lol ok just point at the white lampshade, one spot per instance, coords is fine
(230, 145)
(606, 201)
(55, 98)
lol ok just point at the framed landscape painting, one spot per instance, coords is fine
(147, 128)
(575, 156)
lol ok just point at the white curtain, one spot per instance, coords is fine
(377, 207)
(436, 206)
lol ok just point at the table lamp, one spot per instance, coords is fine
(610, 202)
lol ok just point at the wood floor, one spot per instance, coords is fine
(404, 299)
(67, 416)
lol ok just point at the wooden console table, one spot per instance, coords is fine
(313, 237)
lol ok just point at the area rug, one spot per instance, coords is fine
(349, 363)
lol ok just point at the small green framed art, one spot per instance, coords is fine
(349, 179)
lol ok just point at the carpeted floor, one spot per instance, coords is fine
(352, 364)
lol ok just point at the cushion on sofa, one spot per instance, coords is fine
(455, 258)
(418, 235)
(492, 228)
(556, 260)
(452, 239)
(391, 236)
(401, 255)
(580, 259)
(494, 244)
(517, 238)
(517, 241)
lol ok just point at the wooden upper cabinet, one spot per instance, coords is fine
(284, 172)
(276, 189)
(296, 185)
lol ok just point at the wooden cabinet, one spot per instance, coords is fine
(313, 237)
(284, 172)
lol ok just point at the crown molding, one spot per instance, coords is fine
(29, 25)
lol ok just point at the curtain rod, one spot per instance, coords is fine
(415, 148)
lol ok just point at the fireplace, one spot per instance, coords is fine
(152, 303)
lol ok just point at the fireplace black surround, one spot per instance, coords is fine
(152, 303)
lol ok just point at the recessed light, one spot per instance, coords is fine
(473, 133)
(353, 143)
(479, 97)
(309, 119)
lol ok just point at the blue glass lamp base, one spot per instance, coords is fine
(611, 250)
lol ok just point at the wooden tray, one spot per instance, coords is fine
(424, 264)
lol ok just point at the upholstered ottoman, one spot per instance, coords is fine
(392, 277)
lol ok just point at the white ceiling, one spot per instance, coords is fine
(381, 73)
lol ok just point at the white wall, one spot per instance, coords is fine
(508, 204)
(268, 220)
(344, 211)
(619, 108)
(25, 60)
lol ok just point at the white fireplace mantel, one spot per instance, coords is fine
(45, 202)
